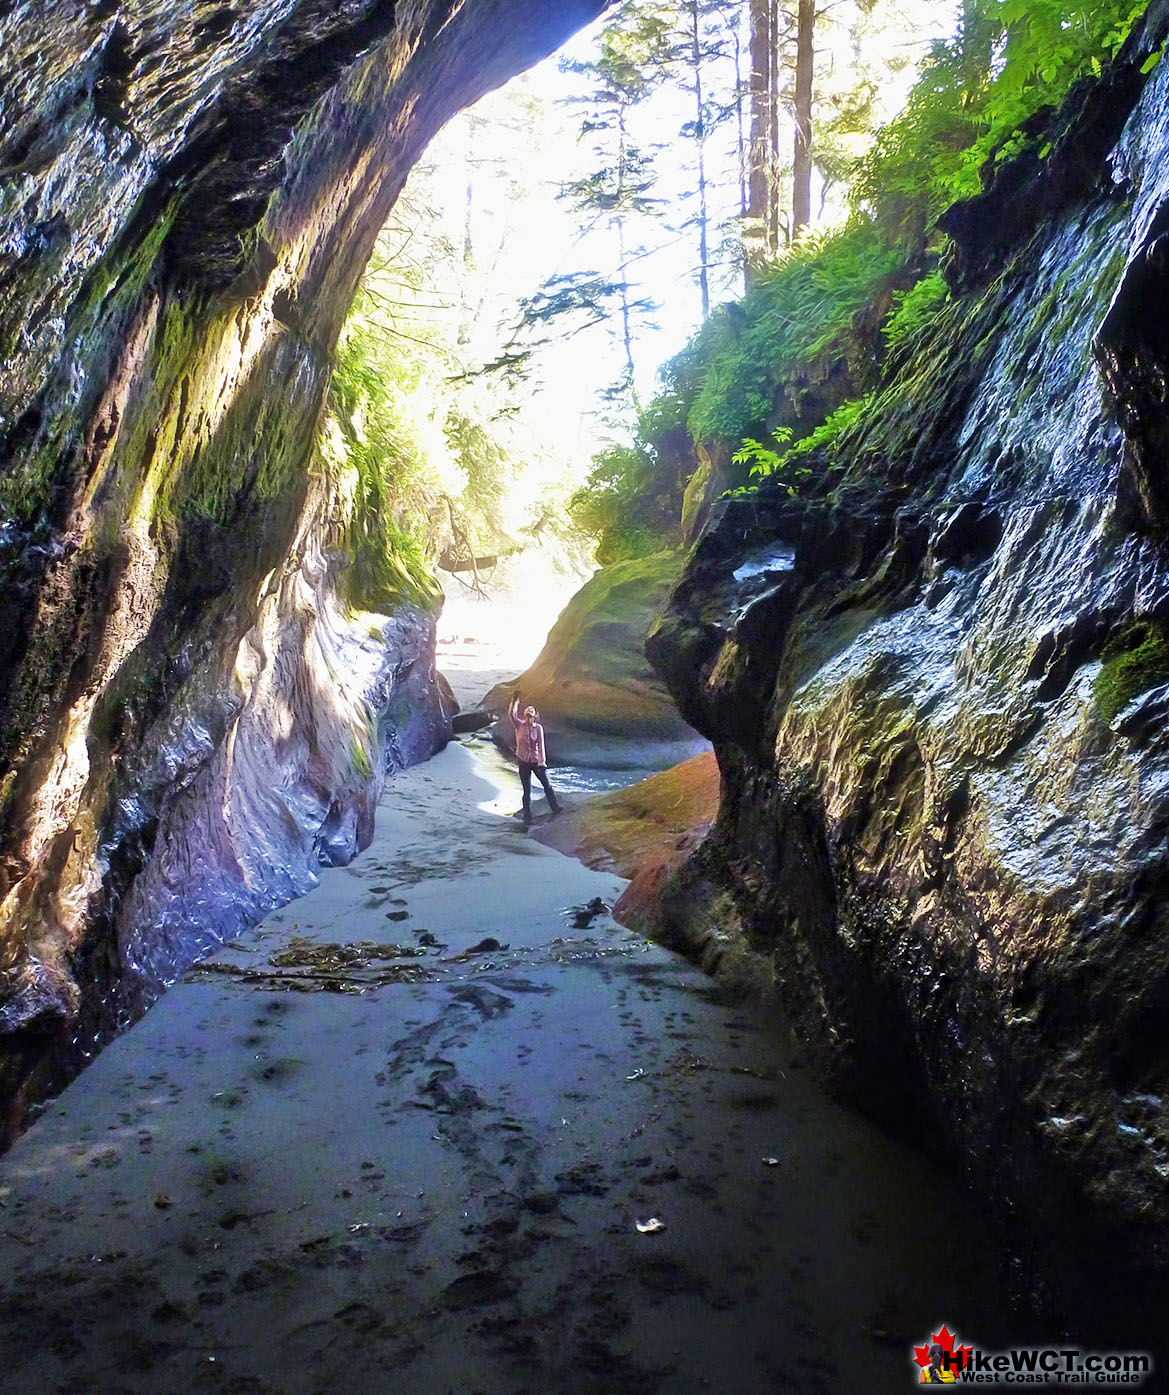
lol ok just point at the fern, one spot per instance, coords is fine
(801, 311)
(915, 308)
(811, 319)
(828, 433)
(763, 461)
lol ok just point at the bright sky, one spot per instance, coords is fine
(521, 234)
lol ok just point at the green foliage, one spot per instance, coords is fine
(1153, 59)
(484, 465)
(975, 94)
(807, 327)
(632, 500)
(917, 165)
(610, 505)
(634, 51)
(1134, 660)
(763, 460)
(915, 308)
(388, 558)
(421, 450)
(828, 434)
(799, 312)
(359, 758)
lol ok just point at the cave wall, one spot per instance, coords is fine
(945, 764)
(190, 720)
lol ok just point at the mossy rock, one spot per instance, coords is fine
(1134, 660)
(643, 833)
(600, 702)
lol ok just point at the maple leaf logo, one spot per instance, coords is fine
(954, 1358)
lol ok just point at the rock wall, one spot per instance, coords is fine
(188, 196)
(938, 691)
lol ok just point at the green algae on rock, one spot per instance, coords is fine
(1132, 662)
(600, 702)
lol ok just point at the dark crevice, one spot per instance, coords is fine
(214, 27)
(110, 90)
(1132, 349)
(1061, 653)
(229, 169)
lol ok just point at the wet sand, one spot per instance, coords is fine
(365, 1149)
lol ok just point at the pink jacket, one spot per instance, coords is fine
(529, 739)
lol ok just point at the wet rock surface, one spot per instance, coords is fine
(325, 1160)
(600, 702)
(191, 194)
(938, 842)
(643, 833)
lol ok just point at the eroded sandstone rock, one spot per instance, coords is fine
(938, 843)
(190, 196)
(600, 702)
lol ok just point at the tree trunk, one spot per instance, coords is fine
(700, 141)
(466, 315)
(623, 271)
(978, 33)
(741, 134)
(802, 153)
(740, 130)
(773, 212)
(759, 148)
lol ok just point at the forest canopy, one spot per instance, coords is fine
(785, 161)
(793, 362)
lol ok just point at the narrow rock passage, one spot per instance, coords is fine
(365, 1150)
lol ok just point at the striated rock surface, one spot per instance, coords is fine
(188, 196)
(600, 702)
(938, 696)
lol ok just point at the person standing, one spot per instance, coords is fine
(529, 749)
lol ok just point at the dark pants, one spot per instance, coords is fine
(526, 780)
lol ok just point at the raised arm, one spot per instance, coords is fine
(514, 710)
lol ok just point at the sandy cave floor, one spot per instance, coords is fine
(355, 1152)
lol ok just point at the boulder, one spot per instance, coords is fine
(600, 702)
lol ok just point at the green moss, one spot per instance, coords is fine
(107, 295)
(915, 308)
(388, 568)
(1134, 660)
(124, 282)
(694, 496)
(7, 785)
(25, 492)
(619, 599)
(359, 758)
(1082, 290)
(368, 452)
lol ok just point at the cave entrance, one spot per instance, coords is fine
(499, 398)
(537, 267)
